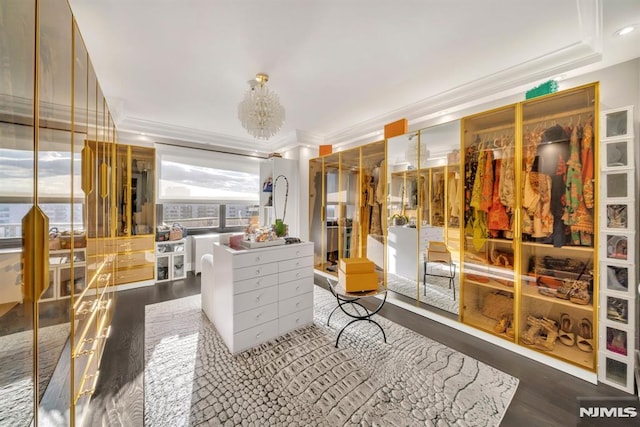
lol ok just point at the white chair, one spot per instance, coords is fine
(437, 252)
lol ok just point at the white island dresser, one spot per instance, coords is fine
(259, 294)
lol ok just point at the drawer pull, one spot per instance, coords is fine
(257, 271)
(259, 282)
(258, 316)
(258, 335)
(297, 263)
(298, 274)
(297, 252)
(257, 259)
(258, 298)
(297, 288)
(298, 304)
(297, 320)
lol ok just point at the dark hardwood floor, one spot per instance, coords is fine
(545, 396)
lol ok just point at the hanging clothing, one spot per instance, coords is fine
(453, 197)
(486, 195)
(476, 194)
(507, 184)
(498, 219)
(587, 163)
(470, 167)
(551, 157)
(542, 218)
(576, 214)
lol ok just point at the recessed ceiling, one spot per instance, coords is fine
(171, 68)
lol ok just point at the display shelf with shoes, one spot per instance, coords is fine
(617, 335)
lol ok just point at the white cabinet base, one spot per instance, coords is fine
(255, 295)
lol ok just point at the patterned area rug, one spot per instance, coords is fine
(16, 370)
(438, 293)
(301, 379)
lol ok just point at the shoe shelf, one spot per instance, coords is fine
(617, 333)
(532, 292)
(567, 353)
(490, 284)
(546, 246)
(484, 323)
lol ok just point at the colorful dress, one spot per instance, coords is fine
(576, 214)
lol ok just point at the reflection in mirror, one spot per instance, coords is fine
(331, 213)
(423, 215)
(402, 214)
(55, 183)
(439, 250)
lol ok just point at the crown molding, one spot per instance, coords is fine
(587, 50)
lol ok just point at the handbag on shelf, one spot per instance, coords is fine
(496, 305)
(176, 232)
(54, 239)
(162, 234)
(79, 239)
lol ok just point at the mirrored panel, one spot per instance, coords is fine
(439, 216)
(402, 214)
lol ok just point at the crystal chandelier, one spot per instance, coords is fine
(260, 111)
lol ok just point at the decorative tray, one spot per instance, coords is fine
(253, 245)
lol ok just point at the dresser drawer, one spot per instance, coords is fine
(253, 272)
(134, 259)
(293, 275)
(133, 275)
(292, 289)
(294, 321)
(261, 257)
(295, 251)
(295, 263)
(127, 244)
(297, 303)
(250, 300)
(255, 284)
(255, 317)
(254, 336)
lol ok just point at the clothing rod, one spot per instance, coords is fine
(565, 114)
(495, 129)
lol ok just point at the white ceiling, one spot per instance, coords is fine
(342, 68)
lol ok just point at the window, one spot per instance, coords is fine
(55, 166)
(201, 189)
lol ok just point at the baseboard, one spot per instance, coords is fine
(135, 285)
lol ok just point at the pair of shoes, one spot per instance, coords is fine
(585, 336)
(579, 293)
(533, 330)
(566, 335)
(564, 290)
(505, 325)
(502, 324)
(548, 335)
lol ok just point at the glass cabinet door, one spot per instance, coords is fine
(557, 224)
(16, 166)
(123, 190)
(316, 211)
(353, 202)
(489, 252)
(142, 183)
(178, 266)
(373, 211)
(331, 212)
